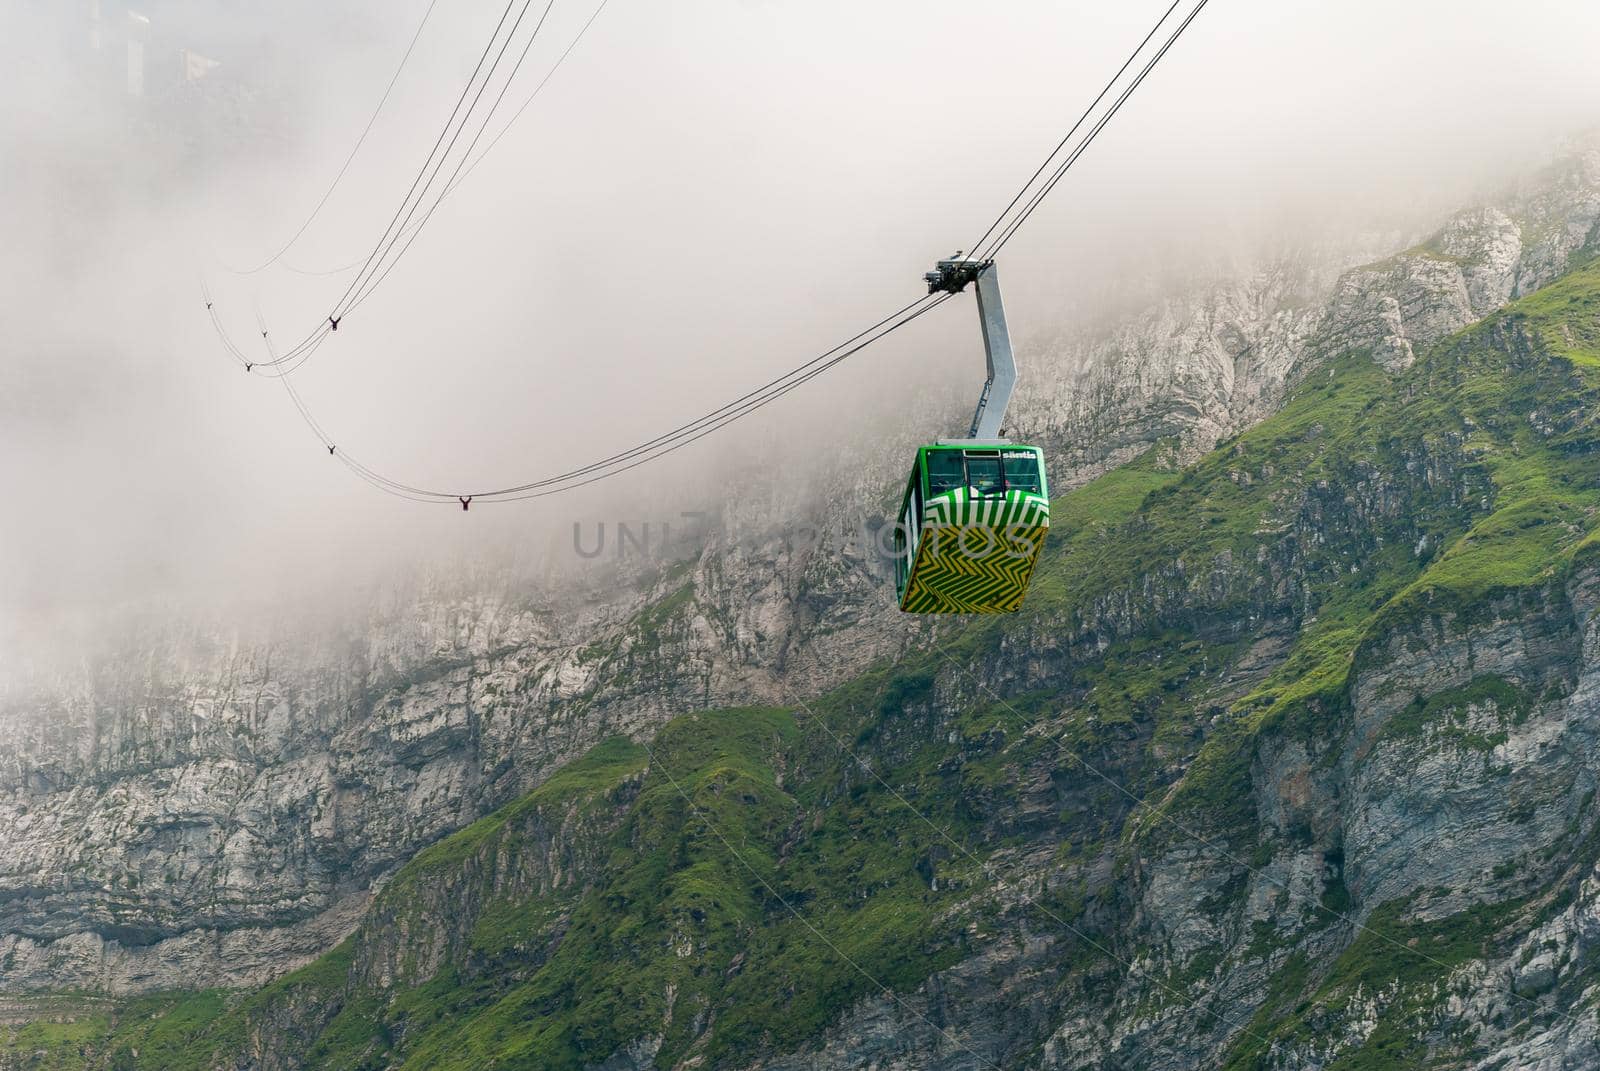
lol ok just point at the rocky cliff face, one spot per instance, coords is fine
(214, 810)
(1290, 758)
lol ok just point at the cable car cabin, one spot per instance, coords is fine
(971, 525)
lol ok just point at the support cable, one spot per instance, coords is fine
(264, 265)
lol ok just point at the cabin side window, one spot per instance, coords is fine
(945, 471)
(909, 535)
(1022, 472)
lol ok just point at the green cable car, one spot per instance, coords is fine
(976, 510)
(971, 525)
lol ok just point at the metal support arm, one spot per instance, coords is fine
(952, 276)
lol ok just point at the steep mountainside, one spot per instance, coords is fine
(1288, 761)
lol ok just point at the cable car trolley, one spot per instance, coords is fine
(975, 510)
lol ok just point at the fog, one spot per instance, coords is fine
(707, 193)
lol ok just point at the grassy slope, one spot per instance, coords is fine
(1171, 575)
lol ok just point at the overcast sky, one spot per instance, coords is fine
(706, 194)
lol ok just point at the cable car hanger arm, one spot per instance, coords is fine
(952, 276)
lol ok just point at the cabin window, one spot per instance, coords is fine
(985, 476)
(902, 553)
(907, 535)
(944, 471)
(1022, 472)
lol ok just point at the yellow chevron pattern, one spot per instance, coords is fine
(974, 568)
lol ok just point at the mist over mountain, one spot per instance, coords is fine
(686, 242)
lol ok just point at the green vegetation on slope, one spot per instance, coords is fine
(693, 919)
(1516, 512)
